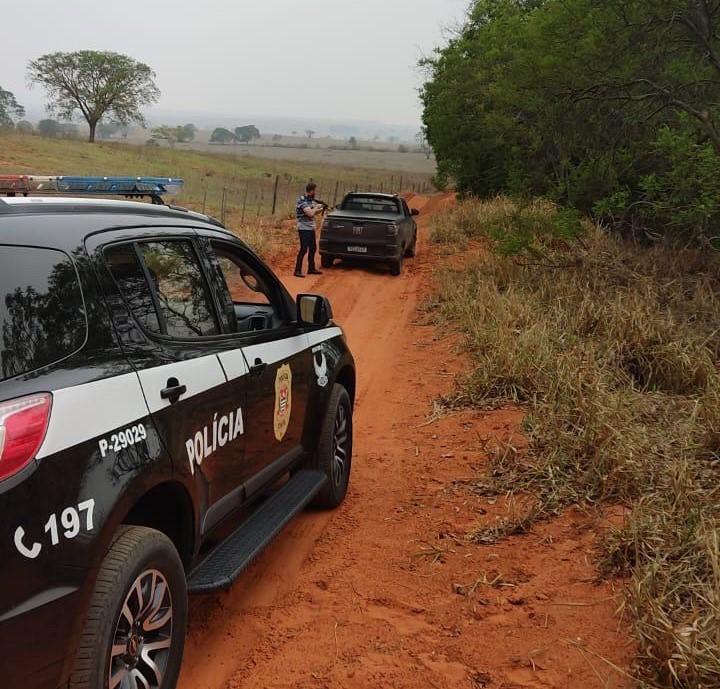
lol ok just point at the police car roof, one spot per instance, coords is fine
(76, 218)
(55, 204)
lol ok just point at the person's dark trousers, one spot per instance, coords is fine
(308, 245)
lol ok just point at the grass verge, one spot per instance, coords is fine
(613, 351)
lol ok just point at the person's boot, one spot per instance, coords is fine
(314, 271)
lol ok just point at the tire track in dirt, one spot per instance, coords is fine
(372, 307)
(385, 591)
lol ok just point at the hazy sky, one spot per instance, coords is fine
(335, 59)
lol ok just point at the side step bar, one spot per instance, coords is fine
(224, 564)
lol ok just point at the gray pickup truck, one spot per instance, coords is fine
(370, 226)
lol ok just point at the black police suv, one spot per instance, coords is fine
(165, 409)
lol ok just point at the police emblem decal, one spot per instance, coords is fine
(283, 401)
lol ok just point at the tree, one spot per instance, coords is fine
(107, 129)
(165, 133)
(530, 96)
(24, 126)
(247, 134)
(9, 108)
(49, 128)
(69, 130)
(310, 133)
(186, 133)
(173, 135)
(423, 143)
(221, 135)
(353, 142)
(96, 84)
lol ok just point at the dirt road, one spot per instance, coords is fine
(387, 591)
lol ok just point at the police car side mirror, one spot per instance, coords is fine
(414, 211)
(313, 310)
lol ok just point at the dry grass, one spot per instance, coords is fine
(613, 350)
(245, 182)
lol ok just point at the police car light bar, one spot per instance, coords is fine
(129, 187)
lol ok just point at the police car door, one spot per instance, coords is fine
(277, 355)
(175, 351)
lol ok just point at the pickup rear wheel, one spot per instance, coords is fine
(411, 250)
(334, 452)
(396, 267)
(134, 633)
(326, 261)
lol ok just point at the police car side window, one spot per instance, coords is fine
(177, 301)
(255, 301)
(130, 277)
(244, 284)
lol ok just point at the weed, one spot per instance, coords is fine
(613, 350)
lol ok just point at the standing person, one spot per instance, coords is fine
(305, 211)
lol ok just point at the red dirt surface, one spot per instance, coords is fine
(387, 591)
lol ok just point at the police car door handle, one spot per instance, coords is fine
(258, 367)
(173, 391)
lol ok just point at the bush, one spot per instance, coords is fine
(613, 349)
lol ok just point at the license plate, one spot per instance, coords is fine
(357, 249)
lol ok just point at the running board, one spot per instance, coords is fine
(225, 564)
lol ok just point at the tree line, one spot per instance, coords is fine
(608, 106)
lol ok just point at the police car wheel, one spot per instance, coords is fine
(334, 451)
(134, 632)
(326, 261)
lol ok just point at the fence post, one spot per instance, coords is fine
(277, 181)
(337, 184)
(247, 188)
(356, 188)
(204, 199)
(222, 206)
(401, 186)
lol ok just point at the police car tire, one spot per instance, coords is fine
(326, 261)
(333, 492)
(134, 550)
(396, 267)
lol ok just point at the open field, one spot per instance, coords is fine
(414, 163)
(244, 181)
(370, 155)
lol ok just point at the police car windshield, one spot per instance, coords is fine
(41, 309)
(374, 204)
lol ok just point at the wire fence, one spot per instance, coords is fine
(276, 195)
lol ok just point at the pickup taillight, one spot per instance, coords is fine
(23, 424)
(326, 224)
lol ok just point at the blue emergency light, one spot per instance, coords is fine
(128, 187)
